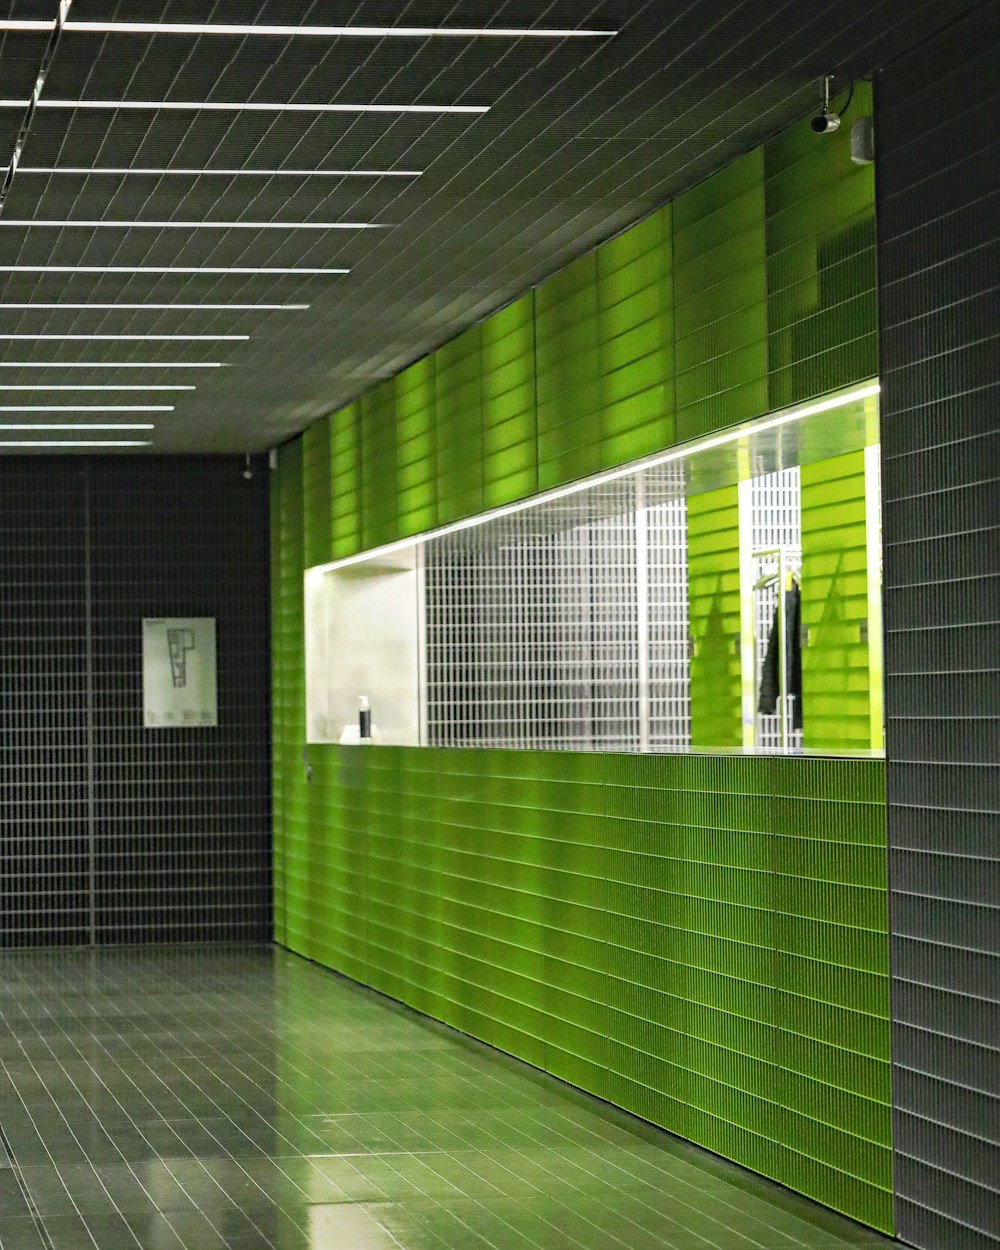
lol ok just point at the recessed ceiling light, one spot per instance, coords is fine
(168, 307)
(74, 386)
(74, 442)
(226, 173)
(328, 32)
(133, 338)
(121, 425)
(193, 269)
(247, 106)
(110, 364)
(110, 224)
(87, 408)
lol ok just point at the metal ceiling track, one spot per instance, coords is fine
(48, 56)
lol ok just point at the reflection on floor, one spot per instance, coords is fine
(196, 1099)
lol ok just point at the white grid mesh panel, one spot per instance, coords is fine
(564, 626)
(776, 521)
(669, 660)
(532, 636)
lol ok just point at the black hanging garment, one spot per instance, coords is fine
(770, 676)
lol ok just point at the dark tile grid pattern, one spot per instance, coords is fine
(939, 193)
(236, 1099)
(183, 821)
(44, 827)
(108, 831)
(582, 137)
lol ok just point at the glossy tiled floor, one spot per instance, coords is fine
(243, 1098)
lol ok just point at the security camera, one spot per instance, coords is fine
(826, 122)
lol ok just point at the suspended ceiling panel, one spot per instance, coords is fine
(306, 252)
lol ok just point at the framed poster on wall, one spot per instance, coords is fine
(178, 672)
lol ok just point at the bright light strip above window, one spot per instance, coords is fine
(74, 386)
(111, 364)
(246, 106)
(223, 173)
(329, 32)
(216, 269)
(121, 425)
(168, 307)
(599, 479)
(98, 223)
(86, 408)
(131, 338)
(74, 442)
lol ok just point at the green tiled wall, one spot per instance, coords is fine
(836, 696)
(568, 378)
(753, 290)
(287, 663)
(316, 494)
(820, 259)
(347, 505)
(713, 544)
(378, 446)
(636, 329)
(720, 290)
(699, 939)
(458, 431)
(510, 422)
(416, 485)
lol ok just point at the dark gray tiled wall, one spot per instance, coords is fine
(938, 181)
(108, 830)
(43, 731)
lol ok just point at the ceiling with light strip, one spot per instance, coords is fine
(219, 221)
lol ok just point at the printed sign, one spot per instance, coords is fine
(178, 672)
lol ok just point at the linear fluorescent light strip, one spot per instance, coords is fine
(86, 408)
(599, 479)
(111, 364)
(132, 338)
(168, 307)
(320, 32)
(226, 173)
(74, 386)
(121, 425)
(74, 442)
(98, 223)
(331, 32)
(247, 106)
(215, 269)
